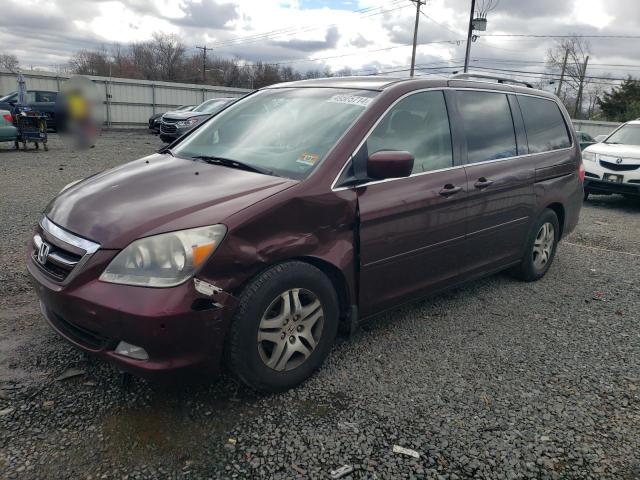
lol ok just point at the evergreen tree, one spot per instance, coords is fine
(622, 104)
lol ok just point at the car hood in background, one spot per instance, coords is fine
(614, 150)
(177, 116)
(157, 194)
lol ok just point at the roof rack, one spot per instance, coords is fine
(469, 76)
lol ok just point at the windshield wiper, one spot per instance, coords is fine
(227, 162)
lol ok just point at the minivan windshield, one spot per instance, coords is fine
(626, 135)
(287, 131)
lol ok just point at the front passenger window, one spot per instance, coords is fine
(418, 124)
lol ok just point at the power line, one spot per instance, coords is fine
(303, 60)
(557, 36)
(552, 76)
(296, 29)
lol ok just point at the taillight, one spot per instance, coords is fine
(581, 172)
(8, 117)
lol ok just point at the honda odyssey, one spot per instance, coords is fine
(304, 208)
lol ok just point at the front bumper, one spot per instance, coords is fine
(180, 328)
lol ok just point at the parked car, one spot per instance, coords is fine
(154, 120)
(585, 139)
(302, 207)
(38, 100)
(176, 124)
(613, 165)
(600, 138)
(8, 132)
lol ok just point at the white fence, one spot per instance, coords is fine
(127, 102)
(595, 128)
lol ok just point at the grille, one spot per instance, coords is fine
(170, 120)
(59, 253)
(164, 128)
(59, 262)
(80, 334)
(618, 167)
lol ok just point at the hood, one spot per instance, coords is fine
(157, 194)
(614, 150)
(184, 115)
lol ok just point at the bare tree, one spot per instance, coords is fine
(90, 62)
(168, 52)
(576, 51)
(9, 62)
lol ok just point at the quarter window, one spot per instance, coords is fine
(546, 129)
(418, 124)
(488, 125)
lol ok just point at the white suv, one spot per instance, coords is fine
(613, 166)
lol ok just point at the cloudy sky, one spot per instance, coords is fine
(365, 35)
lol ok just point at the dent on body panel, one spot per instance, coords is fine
(311, 225)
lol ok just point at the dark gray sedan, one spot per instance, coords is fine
(176, 124)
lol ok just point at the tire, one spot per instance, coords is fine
(267, 348)
(533, 265)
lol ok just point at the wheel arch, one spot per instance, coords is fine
(338, 280)
(559, 210)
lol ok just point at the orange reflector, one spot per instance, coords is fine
(201, 253)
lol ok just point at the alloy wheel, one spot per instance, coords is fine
(543, 245)
(290, 329)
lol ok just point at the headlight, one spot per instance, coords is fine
(164, 260)
(69, 185)
(188, 123)
(589, 156)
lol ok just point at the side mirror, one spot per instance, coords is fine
(389, 164)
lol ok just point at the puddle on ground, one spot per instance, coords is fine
(20, 330)
(173, 429)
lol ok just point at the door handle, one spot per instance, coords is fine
(449, 190)
(482, 183)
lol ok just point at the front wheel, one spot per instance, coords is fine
(541, 248)
(284, 328)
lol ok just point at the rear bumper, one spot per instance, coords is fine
(599, 186)
(179, 328)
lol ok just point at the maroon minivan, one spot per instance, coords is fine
(300, 208)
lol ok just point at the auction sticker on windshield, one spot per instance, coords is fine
(308, 158)
(351, 100)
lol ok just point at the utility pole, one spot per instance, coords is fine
(469, 36)
(579, 99)
(204, 62)
(564, 69)
(419, 4)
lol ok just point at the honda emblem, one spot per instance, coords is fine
(43, 253)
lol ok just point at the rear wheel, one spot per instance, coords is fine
(541, 248)
(284, 327)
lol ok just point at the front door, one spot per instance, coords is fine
(411, 228)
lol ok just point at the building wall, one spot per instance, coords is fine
(126, 102)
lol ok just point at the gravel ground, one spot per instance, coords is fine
(497, 380)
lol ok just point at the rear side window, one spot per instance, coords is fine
(418, 124)
(546, 129)
(488, 125)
